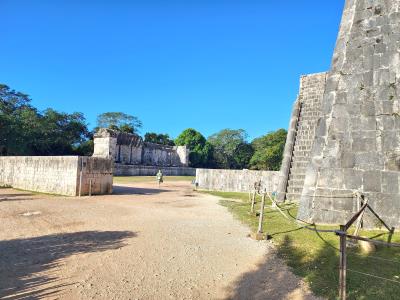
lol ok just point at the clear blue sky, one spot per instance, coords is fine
(206, 64)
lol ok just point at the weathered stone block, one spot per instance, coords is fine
(390, 182)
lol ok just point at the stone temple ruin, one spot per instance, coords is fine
(344, 134)
(133, 156)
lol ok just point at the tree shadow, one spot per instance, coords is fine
(16, 195)
(27, 265)
(271, 280)
(128, 190)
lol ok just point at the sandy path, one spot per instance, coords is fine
(140, 243)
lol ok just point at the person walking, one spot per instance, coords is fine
(159, 177)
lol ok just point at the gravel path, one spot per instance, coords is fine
(139, 243)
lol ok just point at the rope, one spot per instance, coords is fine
(325, 196)
(296, 224)
(319, 230)
(376, 257)
(374, 276)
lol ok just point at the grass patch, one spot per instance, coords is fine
(133, 179)
(315, 256)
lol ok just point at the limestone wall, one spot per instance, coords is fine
(130, 149)
(235, 180)
(140, 170)
(97, 176)
(357, 140)
(161, 155)
(56, 174)
(105, 147)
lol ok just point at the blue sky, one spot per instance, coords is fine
(205, 64)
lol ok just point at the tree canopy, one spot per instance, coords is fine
(268, 151)
(231, 149)
(158, 138)
(26, 131)
(119, 121)
(200, 149)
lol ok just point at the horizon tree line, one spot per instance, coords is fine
(24, 130)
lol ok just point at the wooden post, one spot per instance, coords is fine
(260, 222)
(80, 178)
(253, 201)
(90, 187)
(342, 264)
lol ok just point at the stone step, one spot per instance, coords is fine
(306, 128)
(295, 183)
(296, 166)
(300, 158)
(293, 197)
(299, 165)
(308, 118)
(297, 176)
(294, 190)
(303, 148)
(302, 142)
(314, 114)
(298, 153)
(306, 137)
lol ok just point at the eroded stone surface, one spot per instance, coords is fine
(357, 140)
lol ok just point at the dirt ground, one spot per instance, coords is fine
(142, 242)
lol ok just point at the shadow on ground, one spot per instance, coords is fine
(271, 280)
(16, 195)
(23, 262)
(128, 190)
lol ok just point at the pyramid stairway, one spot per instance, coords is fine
(311, 92)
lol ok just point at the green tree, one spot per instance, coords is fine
(25, 131)
(268, 151)
(200, 149)
(18, 120)
(60, 133)
(119, 121)
(158, 138)
(230, 149)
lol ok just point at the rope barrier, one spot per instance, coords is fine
(376, 257)
(374, 276)
(343, 234)
(295, 223)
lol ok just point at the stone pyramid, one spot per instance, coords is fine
(356, 143)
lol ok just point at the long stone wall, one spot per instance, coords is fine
(138, 170)
(236, 180)
(57, 174)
